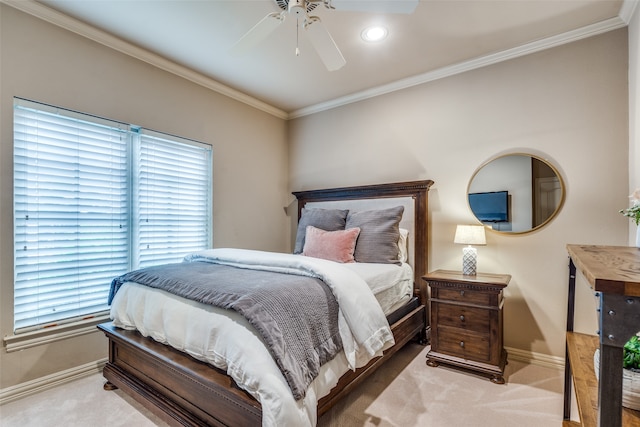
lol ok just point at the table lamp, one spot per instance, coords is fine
(470, 235)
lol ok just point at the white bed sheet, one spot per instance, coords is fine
(391, 284)
(201, 330)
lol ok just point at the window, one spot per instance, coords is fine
(93, 199)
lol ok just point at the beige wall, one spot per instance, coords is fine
(48, 64)
(567, 104)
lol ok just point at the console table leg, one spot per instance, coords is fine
(571, 300)
(610, 390)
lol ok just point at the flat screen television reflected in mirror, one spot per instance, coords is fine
(490, 206)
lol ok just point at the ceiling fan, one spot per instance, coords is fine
(320, 38)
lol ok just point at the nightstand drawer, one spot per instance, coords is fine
(465, 296)
(459, 316)
(462, 344)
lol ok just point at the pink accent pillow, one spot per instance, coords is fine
(332, 245)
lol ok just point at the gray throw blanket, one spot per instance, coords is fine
(297, 316)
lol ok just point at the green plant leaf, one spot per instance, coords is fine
(631, 354)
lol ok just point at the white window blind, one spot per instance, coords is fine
(174, 199)
(74, 200)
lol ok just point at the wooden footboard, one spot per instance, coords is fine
(184, 391)
(178, 388)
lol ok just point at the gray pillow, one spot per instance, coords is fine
(324, 219)
(379, 234)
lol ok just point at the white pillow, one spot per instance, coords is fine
(403, 243)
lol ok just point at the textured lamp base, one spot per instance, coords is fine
(469, 261)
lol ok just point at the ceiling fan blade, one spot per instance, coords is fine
(259, 32)
(376, 6)
(324, 44)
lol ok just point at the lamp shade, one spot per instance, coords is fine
(470, 235)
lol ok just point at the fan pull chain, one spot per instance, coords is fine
(297, 36)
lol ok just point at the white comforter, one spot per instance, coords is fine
(234, 345)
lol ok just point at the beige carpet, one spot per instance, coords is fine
(403, 393)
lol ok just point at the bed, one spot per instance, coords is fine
(183, 389)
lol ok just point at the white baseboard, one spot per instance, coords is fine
(533, 358)
(40, 384)
(44, 383)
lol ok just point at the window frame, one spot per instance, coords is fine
(66, 327)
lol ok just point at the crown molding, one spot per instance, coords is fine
(47, 14)
(627, 9)
(68, 23)
(483, 61)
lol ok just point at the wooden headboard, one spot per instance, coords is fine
(415, 190)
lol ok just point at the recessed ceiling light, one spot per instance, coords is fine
(374, 34)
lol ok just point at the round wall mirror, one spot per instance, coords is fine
(516, 193)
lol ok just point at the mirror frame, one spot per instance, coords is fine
(539, 226)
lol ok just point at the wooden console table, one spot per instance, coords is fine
(614, 274)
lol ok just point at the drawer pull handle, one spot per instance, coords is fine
(461, 293)
(462, 344)
(462, 318)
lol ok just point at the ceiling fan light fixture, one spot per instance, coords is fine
(297, 8)
(374, 34)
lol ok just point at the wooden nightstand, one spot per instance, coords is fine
(466, 321)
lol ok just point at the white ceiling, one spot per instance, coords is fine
(440, 38)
